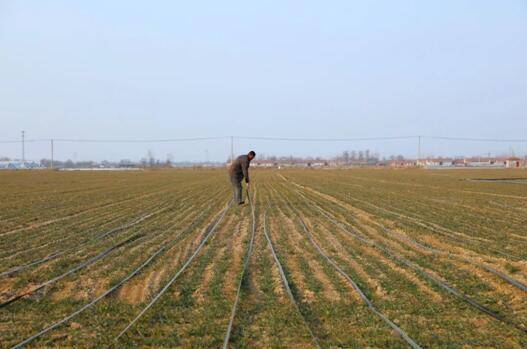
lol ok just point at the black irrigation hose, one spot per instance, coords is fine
(441, 230)
(164, 248)
(505, 277)
(18, 268)
(209, 231)
(497, 273)
(92, 219)
(450, 289)
(92, 303)
(67, 217)
(244, 270)
(71, 271)
(435, 229)
(285, 282)
(130, 224)
(356, 287)
(61, 219)
(366, 300)
(57, 254)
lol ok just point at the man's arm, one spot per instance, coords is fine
(245, 169)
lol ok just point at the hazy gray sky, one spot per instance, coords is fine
(166, 69)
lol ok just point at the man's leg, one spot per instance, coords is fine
(237, 190)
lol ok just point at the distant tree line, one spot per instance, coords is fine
(347, 157)
(289, 158)
(357, 157)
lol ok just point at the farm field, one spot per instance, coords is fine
(360, 258)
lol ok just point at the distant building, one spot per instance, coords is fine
(18, 165)
(474, 162)
(264, 163)
(439, 162)
(512, 162)
(290, 163)
(429, 163)
(402, 163)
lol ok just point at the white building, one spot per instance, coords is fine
(18, 165)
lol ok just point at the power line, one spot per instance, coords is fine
(23, 146)
(467, 139)
(169, 140)
(258, 138)
(288, 139)
(25, 141)
(93, 140)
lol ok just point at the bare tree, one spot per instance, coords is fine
(346, 157)
(150, 158)
(170, 160)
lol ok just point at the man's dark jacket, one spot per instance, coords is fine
(240, 168)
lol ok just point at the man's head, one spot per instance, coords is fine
(251, 155)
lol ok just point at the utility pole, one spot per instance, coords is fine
(52, 154)
(419, 151)
(232, 148)
(23, 147)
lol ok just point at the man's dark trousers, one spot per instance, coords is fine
(237, 188)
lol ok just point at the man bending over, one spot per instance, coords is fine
(239, 170)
